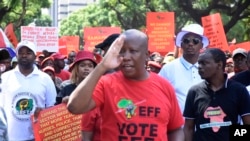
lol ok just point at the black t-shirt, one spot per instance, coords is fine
(66, 91)
(242, 77)
(214, 111)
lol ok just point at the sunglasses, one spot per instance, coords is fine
(195, 41)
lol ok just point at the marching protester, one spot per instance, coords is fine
(182, 72)
(51, 72)
(243, 77)
(25, 90)
(215, 103)
(81, 67)
(70, 59)
(239, 57)
(59, 65)
(135, 104)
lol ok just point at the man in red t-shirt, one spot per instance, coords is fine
(135, 104)
(59, 64)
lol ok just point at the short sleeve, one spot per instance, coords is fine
(244, 102)
(98, 95)
(176, 119)
(189, 109)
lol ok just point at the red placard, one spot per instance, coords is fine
(213, 29)
(62, 46)
(9, 31)
(57, 124)
(71, 43)
(95, 35)
(160, 31)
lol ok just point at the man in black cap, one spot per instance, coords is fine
(243, 77)
(107, 42)
(240, 61)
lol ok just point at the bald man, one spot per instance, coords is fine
(135, 104)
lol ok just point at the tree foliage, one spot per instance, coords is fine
(22, 12)
(91, 16)
(132, 14)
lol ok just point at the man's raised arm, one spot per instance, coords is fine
(80, 100)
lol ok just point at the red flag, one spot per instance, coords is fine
(9, 31)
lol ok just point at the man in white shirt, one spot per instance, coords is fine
(25, 89)
(183, 72)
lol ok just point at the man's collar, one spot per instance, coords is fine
(225, 81)
(186, 64)
(34, 72)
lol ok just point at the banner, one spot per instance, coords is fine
(45, 38)
(214, 30)
(244, 45)
(57, 124)
(95, 35)
(71, 42)
(161, 32)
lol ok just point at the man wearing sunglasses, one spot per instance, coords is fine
(183, 72)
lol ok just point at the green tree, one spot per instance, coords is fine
(132, 14)
(22, 12)
(90, 16)
(44, 20)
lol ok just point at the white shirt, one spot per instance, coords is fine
(248, 88)
(21, 95)
(182, 75)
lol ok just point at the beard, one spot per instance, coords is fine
(26, 64)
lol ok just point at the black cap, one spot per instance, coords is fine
(108, 41)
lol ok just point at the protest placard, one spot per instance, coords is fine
(214, 30)
(71, 43)
(62, 46)
(95, 35)
(45, 38)
(160, 31)
(57, 124)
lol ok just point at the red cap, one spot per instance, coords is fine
(83, 55)
(46, 59)
(154, 64)
(49, 68)
(58, 56)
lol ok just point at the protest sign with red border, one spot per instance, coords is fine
(57, 124)
(160, 31)
(95, 35)
(214, 30)
(71, 43)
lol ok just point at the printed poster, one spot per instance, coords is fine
(214, 30)
(96, 35)
(57, 124)
(45, 38)
(161, 32)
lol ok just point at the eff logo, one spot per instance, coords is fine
(239, 132)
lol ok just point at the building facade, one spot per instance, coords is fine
(61, 9)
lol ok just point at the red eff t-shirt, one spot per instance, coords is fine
(136, 110)
(91, 122)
